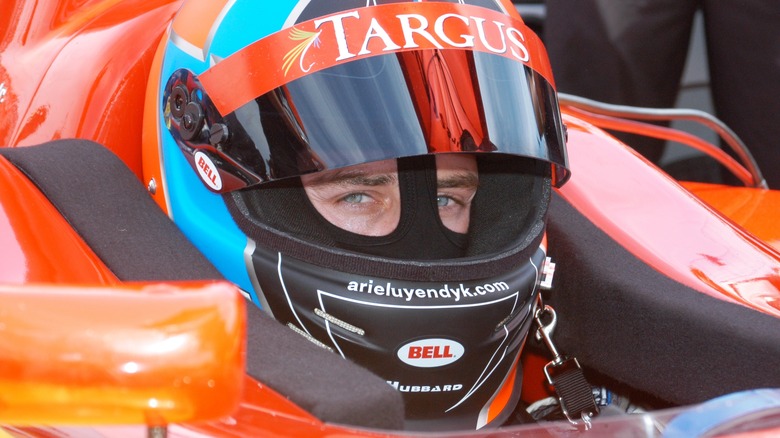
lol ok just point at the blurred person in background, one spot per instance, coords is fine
(634, 52)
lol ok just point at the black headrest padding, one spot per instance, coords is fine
(337, 390)
(109, 207)
(625, 320)
(112, 211)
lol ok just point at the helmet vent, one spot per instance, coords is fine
(311, 338)
(337, 322)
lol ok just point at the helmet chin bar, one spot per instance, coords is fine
(448, 346)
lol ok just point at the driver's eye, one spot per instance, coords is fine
(443, 201)
(354, 198)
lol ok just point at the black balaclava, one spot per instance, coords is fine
(420, 233)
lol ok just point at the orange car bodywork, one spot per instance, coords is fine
(722, 241)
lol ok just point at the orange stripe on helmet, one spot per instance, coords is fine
(150, 138)
(189, 21)
(360, 33)
(504, 395)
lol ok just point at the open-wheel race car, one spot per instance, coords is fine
(146, 287)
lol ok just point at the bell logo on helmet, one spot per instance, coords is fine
(208, 171)
(431, 353)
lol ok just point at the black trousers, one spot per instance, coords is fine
(634, 51)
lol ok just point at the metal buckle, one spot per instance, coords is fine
(567, 371)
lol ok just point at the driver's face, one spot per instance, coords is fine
(365, 199)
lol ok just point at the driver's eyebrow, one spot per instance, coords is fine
(458, 180)
(351, 177)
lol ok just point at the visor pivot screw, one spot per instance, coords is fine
(219, 134)
(191, 121)
(178, 100)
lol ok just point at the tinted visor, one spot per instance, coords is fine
(398, 105)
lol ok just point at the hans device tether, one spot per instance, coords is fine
(564, 374)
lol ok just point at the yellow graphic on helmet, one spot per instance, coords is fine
(298, 52)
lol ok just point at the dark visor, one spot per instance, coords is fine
(398, 105)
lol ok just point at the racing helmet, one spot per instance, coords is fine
(253, 99)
